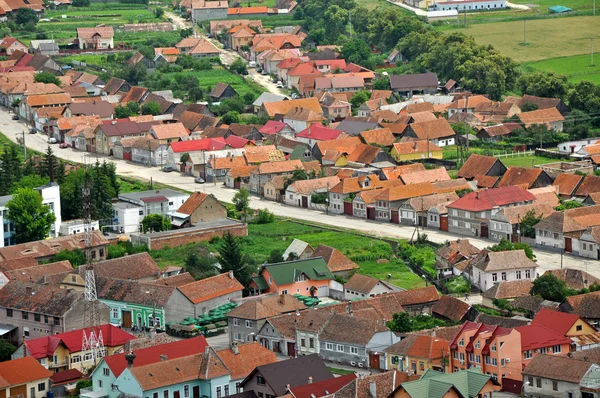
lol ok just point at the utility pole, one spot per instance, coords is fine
(592, 52)
(524, 31)
(24, 147)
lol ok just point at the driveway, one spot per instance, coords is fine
(12, 129)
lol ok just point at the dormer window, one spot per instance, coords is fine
(301, 278)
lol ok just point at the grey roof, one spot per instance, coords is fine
(200, 226)
(407, 82)
(297, 246)
(268, 97)
(35, 44)
(168, 193)
(355, 127)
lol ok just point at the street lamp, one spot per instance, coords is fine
(523, 388)
(424, 277)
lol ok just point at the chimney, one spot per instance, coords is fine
(477, 194)
(235, 349)
(29, 290)
(207, 350)
(24, 346)
(310, 379)
(163, 357)
(231, 274)
(282, 299)
(130, 358)
(373, 389)
(586, 358)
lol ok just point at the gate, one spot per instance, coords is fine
(348, 208)
(484, 230)
(370, 212)
(568, 245)
(395, 217)
(444, 223)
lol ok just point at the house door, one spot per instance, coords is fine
(276, 346)
(568, 245)
(237, 183)
(348, 208)
(484, 230)
(444, 223)
(305, 202)
(176, 394)
(374, 361)
(196, 392)
(291, 349)
(370, 212)
(126, 319)
(395, 217)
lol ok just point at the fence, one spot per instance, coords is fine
(514, 154)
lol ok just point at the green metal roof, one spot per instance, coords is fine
(468, 382)
(288, 272)
(260, 282)
(298, 153)
(427, 388)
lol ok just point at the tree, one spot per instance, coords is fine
(71, 196)
(122, 112)
(567, 205)
(10, 168)
(359, 98)
(543, 84)
(26, 16)
(102, 192)
(231, 117)
(297, 175)
(585, 96)
(80, 3)
(505, 245)
(6, 350)
(249, 98)
(133, 107)
(156, 223)
(47, 77)
(241, 201)
(32, 219)
(549, 287)
(383, 83)
(195, 94)
(357, 51)
(231, 259)
(265, 217)
(200, 267)
(528, 222)
(276, 256)
(75, 257)
(159, 12)
(400, 323)
(529, 106)
(238, 66)
(151, 108)
(29, 181)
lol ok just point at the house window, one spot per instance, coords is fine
(530, 380)
(9, 313)
(579, 328)
(477, 344)
(554, 385)
(538, 382)
(166, 394)
(494, 362)
(527, 354)
(487, 360)
(494, 277)
(155, 395)
(260, 380)
(461, 342)
(504, 276)
(106, 372)
(518, 274)
(478, 358)
(76, 359)
(226, 389)
(303, 342)
(100, 384)
(41, 386)
(238, 389)
(527, 274)
(24, 315)
(236, 322)
(311, 342)
(556, 349)
(353, 350)
(114, 313)
(329, 346)
(340, 348)
(248, 324)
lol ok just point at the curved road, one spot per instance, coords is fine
(545, 259)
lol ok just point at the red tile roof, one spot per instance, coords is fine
(272, 127)
(559, 322)
(488, 199)
(145, 356)
(536, 336)
(45, 346)
(319, 132)
(206, 144)
(323, 387)
(249, 356)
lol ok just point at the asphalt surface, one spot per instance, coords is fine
(546, 260)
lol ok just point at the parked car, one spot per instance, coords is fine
(199, 180)
(279, 85)
(252, 64)
(32, 131)
(52, 140)
(264, 72)
(15, 117)
(63, 145)
(168, 169)
(295, 96)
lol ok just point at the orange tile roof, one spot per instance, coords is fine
(170, 130)
(520, 176)
(421, 146)
(309, 186)
(425, 116)
(228, 162)
(287, 166)
(400, 192)
(540, 116)
(431, 175)
(249, 356)
(432, 129)
(210, 288)
(382, 137)
(21, 371)
(192, 203)
(247, 10)
(283, 107)
(48, 99)
(567, 183)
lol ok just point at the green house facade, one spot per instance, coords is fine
(129, 314)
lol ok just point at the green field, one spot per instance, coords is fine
(209, 78)
(576, 68)
(546, 38)
(262, 239)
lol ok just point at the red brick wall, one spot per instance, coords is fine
(184, 236)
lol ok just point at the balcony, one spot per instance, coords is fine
(58, 364)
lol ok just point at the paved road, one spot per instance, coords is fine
(545, 260)
(177, 20)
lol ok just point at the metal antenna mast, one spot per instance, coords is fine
(93, 344)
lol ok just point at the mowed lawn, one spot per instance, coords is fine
(576, 68)
(546, 38)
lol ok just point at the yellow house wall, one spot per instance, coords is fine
(415, 156)
(585, 329)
